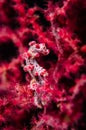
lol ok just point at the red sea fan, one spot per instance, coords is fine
(42, 65)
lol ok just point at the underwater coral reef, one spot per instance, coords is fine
(42, 65)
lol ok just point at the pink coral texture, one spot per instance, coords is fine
(42, 64)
